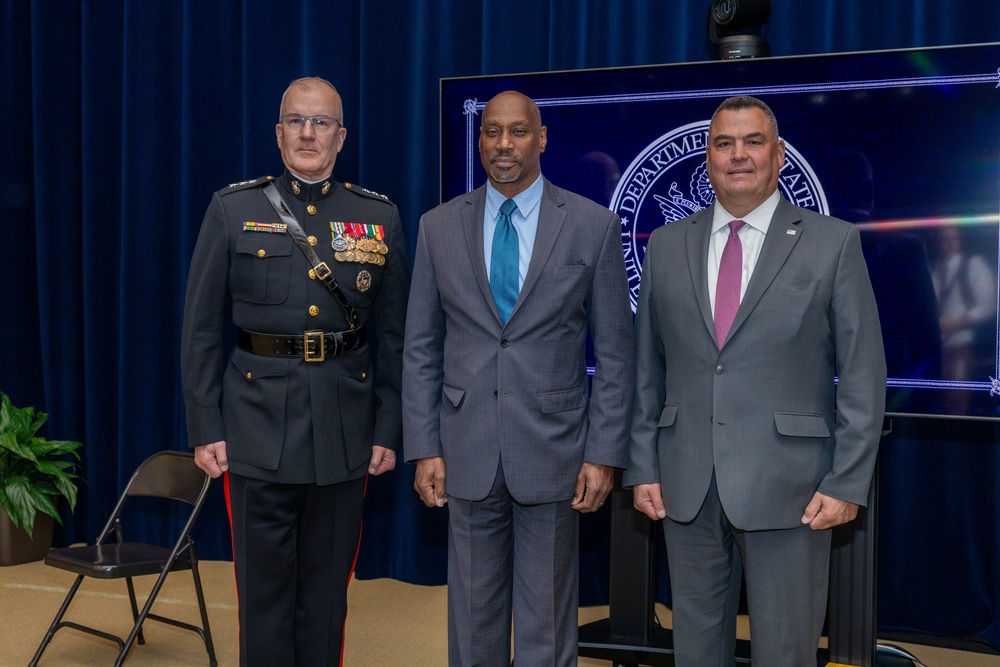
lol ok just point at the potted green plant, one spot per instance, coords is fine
(34, 473)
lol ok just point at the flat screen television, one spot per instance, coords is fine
(905, 144)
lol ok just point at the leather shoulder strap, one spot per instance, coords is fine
(323, 272)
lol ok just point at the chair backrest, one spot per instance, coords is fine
(169, 474)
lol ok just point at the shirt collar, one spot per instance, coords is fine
(308, 191)
(526, 200)
(759, 218)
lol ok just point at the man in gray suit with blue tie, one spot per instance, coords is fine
(741, 441)
(508, 281)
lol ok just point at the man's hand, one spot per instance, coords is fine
(212, 458)
(648, 499)
(383, 460)
(593, 485)
(824, 512)
(429, 481)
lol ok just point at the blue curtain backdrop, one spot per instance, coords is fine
(122, 117)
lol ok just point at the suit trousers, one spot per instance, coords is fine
(294, 547)
(787, 578)
(510, 561)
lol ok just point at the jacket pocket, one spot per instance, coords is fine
(798, 285)
(263, 268)
(801, 424)
(253, 408)
(453, 394)
(357, 414)
(668, 415)
(560, 401)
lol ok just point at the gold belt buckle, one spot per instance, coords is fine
(322, 271)
(318, 338)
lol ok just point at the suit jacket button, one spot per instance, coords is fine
(495, 394)
(719, 369)
(504, 343)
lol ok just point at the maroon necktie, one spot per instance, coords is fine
(727, 290)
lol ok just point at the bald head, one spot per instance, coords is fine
(514, 97)
(313, 84)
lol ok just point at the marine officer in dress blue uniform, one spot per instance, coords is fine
(299, 411)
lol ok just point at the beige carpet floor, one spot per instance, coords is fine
(390, 623)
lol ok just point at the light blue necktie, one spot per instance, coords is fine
(503, 263)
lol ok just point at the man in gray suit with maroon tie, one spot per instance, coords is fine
(741, 441)
(508, 281)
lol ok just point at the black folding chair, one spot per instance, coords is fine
(167, 474)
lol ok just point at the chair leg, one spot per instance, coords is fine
(135, 607)
(201, 606)
(137, 629)
(55, 622)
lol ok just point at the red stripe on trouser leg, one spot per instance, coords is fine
(350, 575)
(232, 544)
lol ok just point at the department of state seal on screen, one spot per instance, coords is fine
(668, 181)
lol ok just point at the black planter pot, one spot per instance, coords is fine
(15, 545)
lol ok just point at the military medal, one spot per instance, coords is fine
(339, 242)
(377, 233)
(268, 227)
(358, 242)
(364, 281)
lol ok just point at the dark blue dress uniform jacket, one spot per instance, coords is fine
(284, 419)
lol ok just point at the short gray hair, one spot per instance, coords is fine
(311, 82)
(741, 102)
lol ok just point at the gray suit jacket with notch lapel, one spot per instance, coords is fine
(476, 392)
(763, 412)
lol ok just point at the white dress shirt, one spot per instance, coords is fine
(751, 238)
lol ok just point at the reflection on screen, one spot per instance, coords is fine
(897, 142)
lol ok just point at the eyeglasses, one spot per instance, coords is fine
(296, 123)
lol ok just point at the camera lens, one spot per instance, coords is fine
(724, 11)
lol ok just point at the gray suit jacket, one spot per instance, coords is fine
(763, 412)
(476, 392)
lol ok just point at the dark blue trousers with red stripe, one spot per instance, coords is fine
(294, 547)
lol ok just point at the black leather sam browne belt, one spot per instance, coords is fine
(311, 346)
(319, 267)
